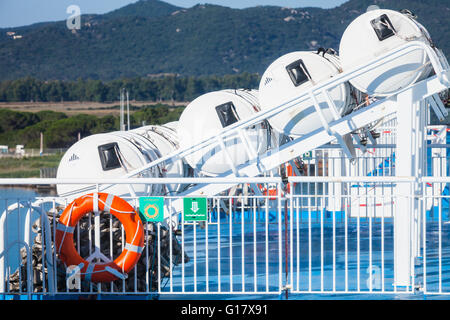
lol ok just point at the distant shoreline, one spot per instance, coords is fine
(51, 189)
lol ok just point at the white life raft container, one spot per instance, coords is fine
(292, 75)
(172, 125)
(207, 116)
(372, 35)
(166, 142)
(108, 155)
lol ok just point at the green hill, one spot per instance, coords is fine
(152, 37)
(144, 8)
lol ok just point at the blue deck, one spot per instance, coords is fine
(208, 260)
(249, 263)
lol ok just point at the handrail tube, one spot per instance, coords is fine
(351, 179)
(238, 180)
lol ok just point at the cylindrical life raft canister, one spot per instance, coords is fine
(374, 34)
(108, 155)
(122, 210)
(207, 116)
(172, 125)
(165, 139)
(294, 74)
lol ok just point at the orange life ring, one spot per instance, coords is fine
(289, 173)
(122, 210)
(273, 193)
(289, 170)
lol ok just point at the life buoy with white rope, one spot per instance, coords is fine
(271, 191)
(122, 210)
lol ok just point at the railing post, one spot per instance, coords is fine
(280, 259)
(286, 248)
(3, 239)
(402, 213)
(409, 155)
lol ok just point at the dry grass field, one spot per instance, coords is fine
(27, 167)
(74, 108)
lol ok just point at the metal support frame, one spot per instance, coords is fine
(410, 161)
(406, 153)
(336, 129)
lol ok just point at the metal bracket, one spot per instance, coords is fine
(347, 144)
(437, 106)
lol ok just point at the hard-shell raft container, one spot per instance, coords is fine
(206, 116)
(294, 74)
(113, 155)
(103, 156)
(165, 140)
(372, 35)
(172, 125)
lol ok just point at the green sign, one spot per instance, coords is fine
(307, 156)
(151, 209)
(195, 209)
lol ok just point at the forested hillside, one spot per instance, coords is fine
(61, 131)
(169, 88)
(152, 37)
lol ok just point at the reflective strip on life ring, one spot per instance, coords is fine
(122, 210)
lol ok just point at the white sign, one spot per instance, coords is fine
(73, 280)
(74, 20)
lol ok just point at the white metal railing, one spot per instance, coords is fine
(158, 272)
(435, 268)
(344, 243)
(339, 187)
(306, 241)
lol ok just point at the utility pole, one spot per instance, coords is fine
(128, 111)
(122, 98)
(41, 149)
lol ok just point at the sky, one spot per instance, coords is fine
(14, 13)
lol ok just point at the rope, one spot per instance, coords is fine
(141, 149)
(147, 154)
(124, 212)
(120, 156)
(412, 38)
(373, 99)
(254, 104)
(134, 237)
(165, 136)
(104, 203)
